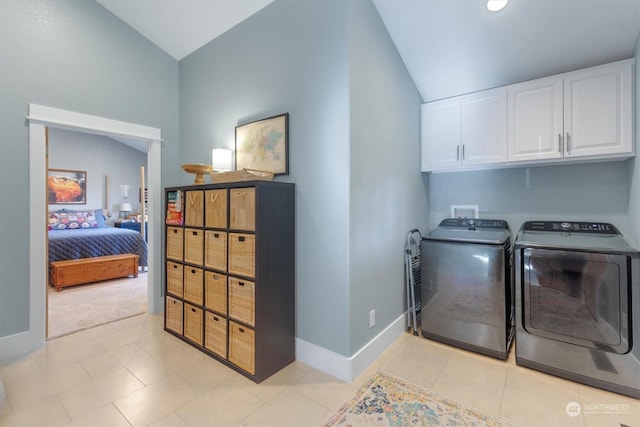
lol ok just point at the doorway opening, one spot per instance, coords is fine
(108, 174)
(40, 118)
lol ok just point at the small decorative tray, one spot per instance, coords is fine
(241, 175)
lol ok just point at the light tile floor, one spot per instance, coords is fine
(132, 373)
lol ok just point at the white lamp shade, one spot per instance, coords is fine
(125, 207)
(221, 159)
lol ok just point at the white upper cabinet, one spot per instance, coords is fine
(598, 108)
(579, 115)
(484, 127)
(464, 132)
(535, 120)
(440, 135)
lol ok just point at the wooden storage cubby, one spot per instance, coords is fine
(230, 288)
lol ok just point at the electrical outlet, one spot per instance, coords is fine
(372, 318)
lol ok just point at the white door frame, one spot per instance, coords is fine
(41, 117)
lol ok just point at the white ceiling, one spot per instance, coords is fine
(179, 27)
(450, 47)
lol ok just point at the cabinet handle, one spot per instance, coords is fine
(559, 143)
(241, 330)
(195, 233)
(193, 310)
(240, 283)
(193, 272)
(216, 235)
(568, 143)
(457, 152)
(216, 318)
(462, 151)
(241, 238)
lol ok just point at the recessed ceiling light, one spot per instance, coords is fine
(496, 5)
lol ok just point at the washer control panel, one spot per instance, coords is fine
(571, 227)
(471, 223)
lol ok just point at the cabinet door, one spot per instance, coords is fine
(483, 127)
(598, 111)
(440, 135)
(535, 120)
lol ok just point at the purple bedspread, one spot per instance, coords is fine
(93, 242)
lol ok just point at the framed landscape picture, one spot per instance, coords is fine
(66, 187)
(264, 145)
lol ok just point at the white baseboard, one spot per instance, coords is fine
(14, 347)
(348, 368)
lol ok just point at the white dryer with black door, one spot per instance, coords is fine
(467, 286)
(577, 303)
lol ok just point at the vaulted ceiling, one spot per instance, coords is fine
(450, 47)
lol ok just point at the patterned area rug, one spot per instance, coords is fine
(384, 400)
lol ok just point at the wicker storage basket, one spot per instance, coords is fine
(174, 279)
(193, 323)
(175, 243)
(242, 254)
(173, 313)
(215, 336)
(242, 208)
(243, 175)
(242, 300)
(215, 247)
(242, 346)
(194, 208)
(193, 285)
(193, 246)
(215, 291)
(215, 208)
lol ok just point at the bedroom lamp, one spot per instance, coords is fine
(221, 159)
(125, 209)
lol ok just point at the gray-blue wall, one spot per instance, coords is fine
(72, 55)
(591, 192)
(354, 150)
(99, 156)
(634, 167)
(387, 194)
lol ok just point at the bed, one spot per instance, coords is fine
(74, 235)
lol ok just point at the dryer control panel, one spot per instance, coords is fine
(571, 227)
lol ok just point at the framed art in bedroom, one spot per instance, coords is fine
(66, 187)
(264, 145)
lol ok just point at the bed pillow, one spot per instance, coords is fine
(101, 219)
(72, 220)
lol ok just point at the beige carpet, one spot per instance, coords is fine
(84, 306)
